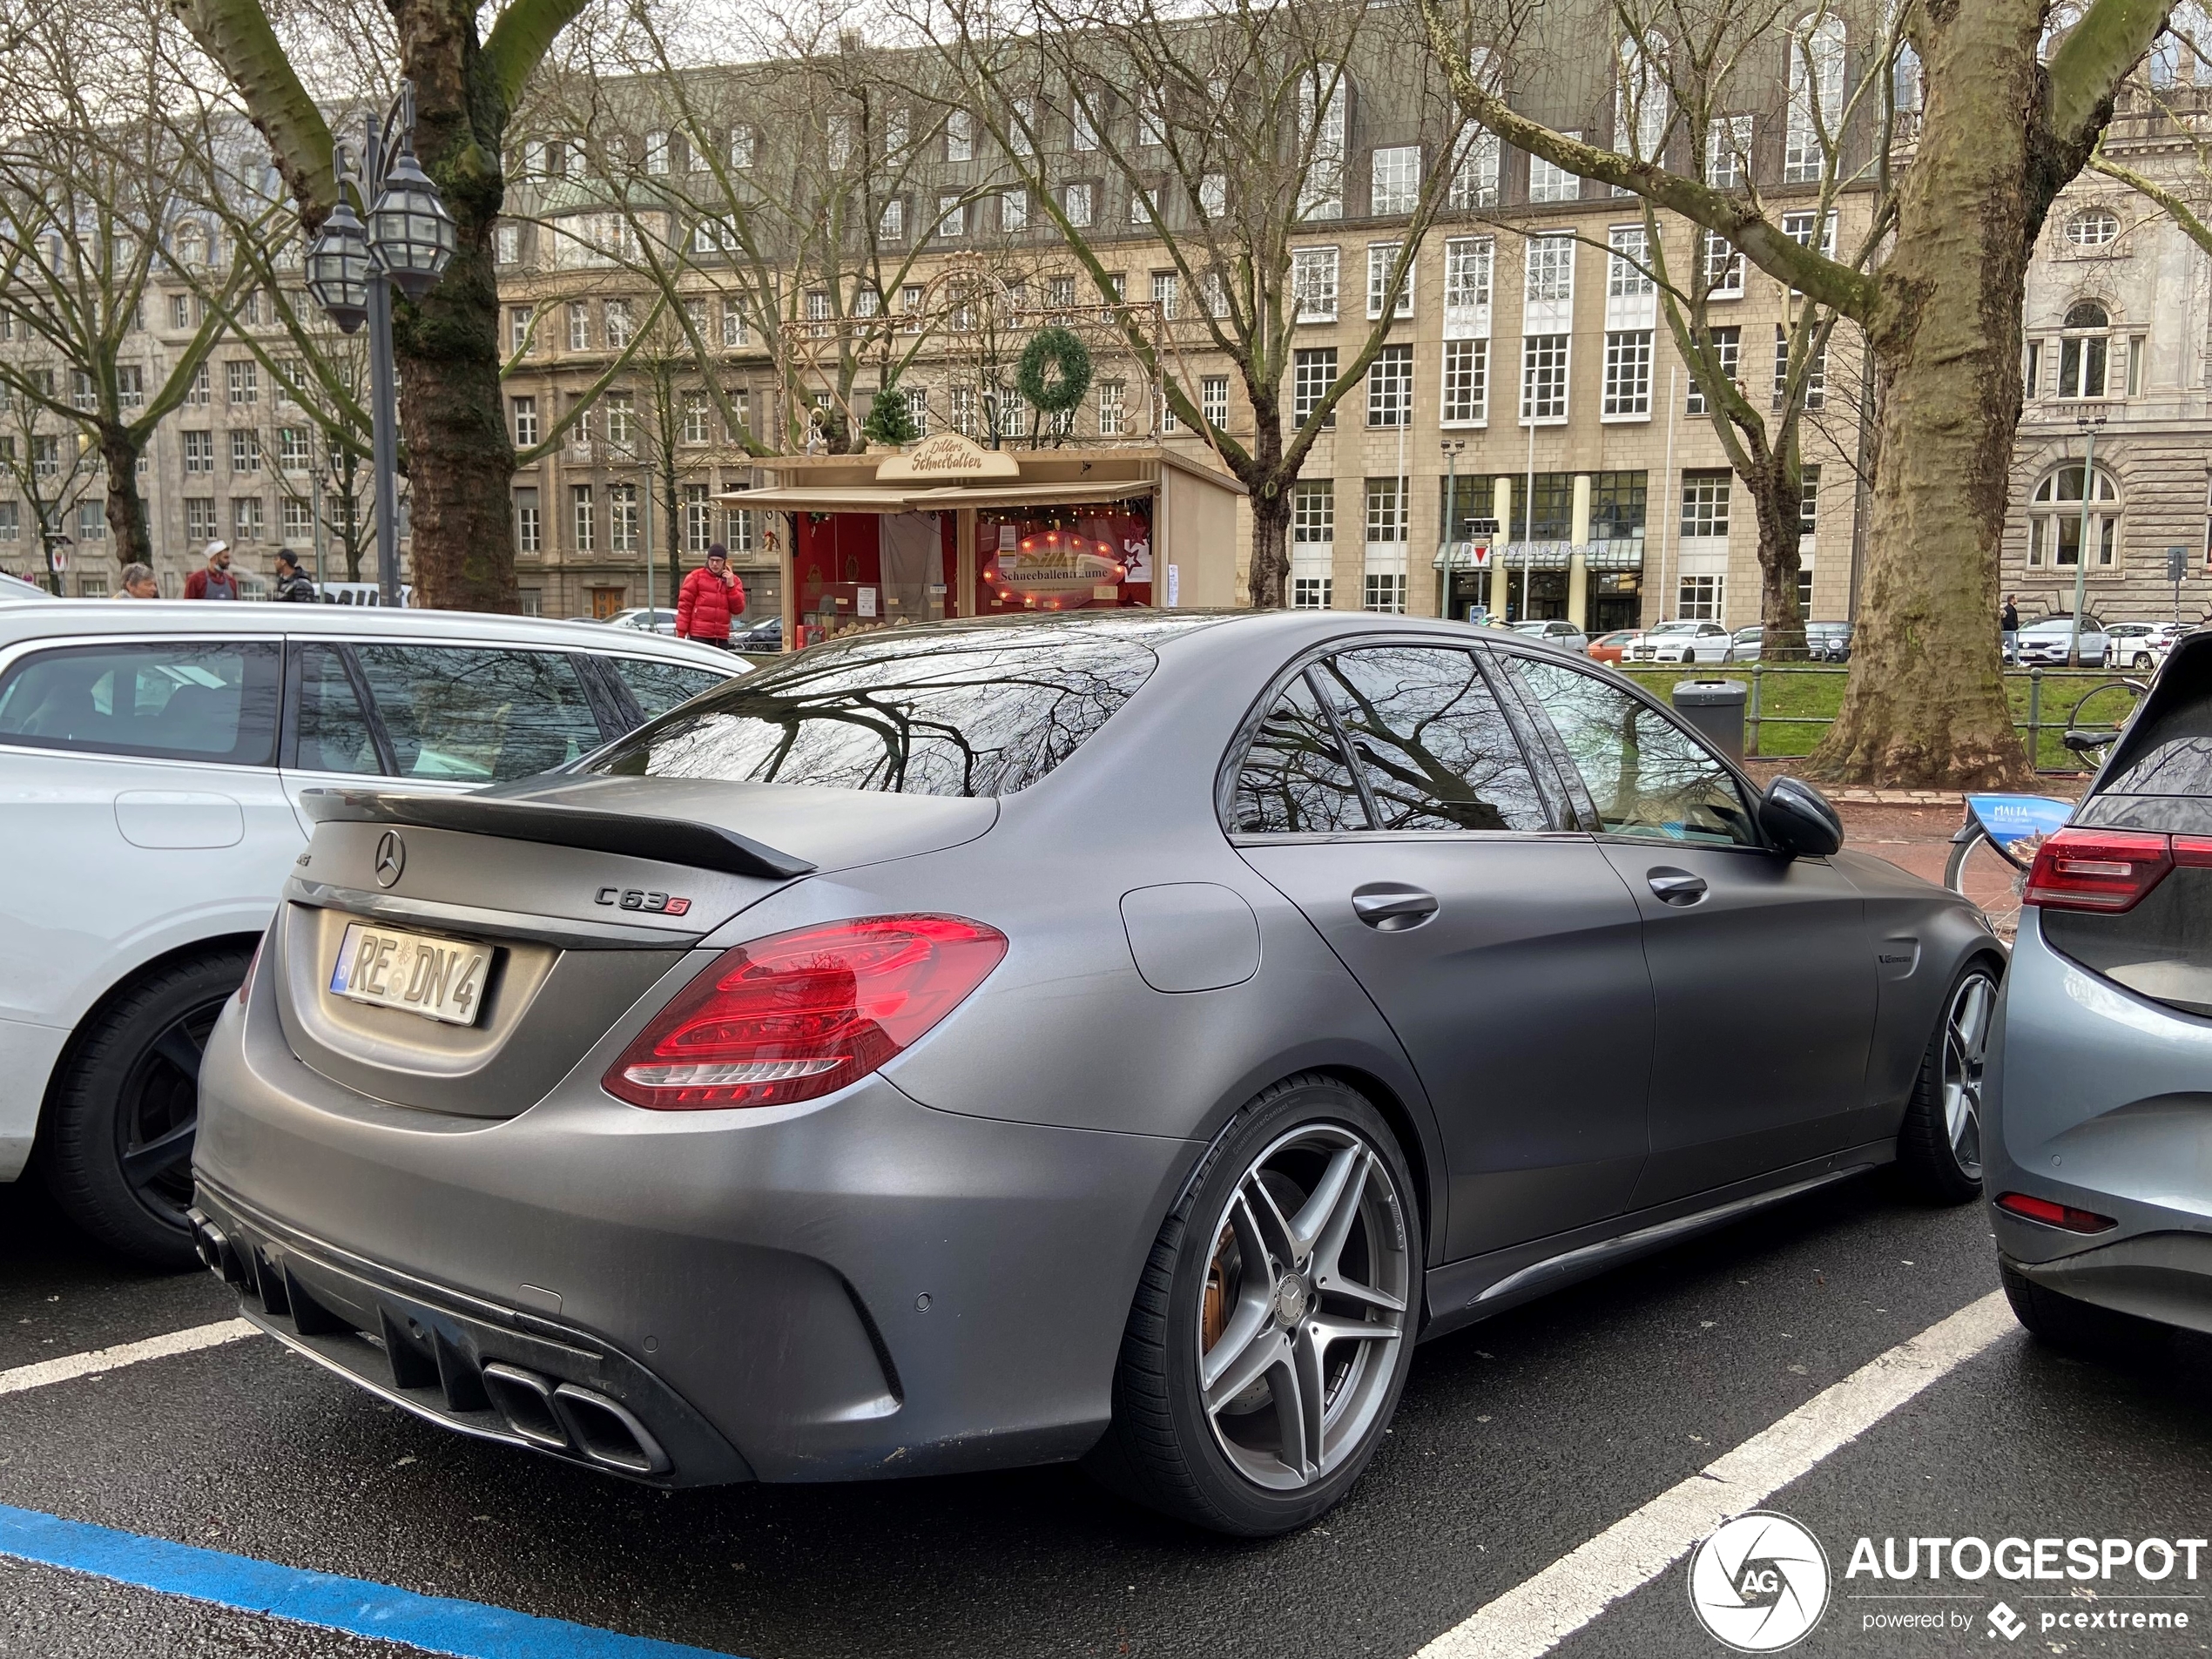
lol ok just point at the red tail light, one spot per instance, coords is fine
(800, 1014)
(2095, 869)
(2055, 1215)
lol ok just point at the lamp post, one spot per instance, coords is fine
(353, 268)
(2089, 423)
(1450, 540)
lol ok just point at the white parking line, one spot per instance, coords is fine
(1539, 1613)
(70, 1366)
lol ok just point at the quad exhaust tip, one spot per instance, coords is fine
(566, 1417)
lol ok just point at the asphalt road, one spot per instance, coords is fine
(1517, 1441)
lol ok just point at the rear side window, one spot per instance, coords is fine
(964, 714)
(659, 687)
(334, 732)
(1646, 776)
(1295, 779)
(1432, 740)
(476, 714)
(182, 700)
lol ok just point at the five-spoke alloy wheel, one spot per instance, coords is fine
(1275, 1321)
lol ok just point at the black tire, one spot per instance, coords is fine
(1938, 1147)
(1164, 1449)
(2078, 1327)
(116, 1148)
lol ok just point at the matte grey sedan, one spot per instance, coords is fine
(1116, 1037)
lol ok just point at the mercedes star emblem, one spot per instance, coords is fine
(391, 859)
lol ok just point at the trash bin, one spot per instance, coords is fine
(1714, 710)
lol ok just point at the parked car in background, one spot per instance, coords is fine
(1610, 648)
(921, 1119)
(1744, 644)
(2045, 642)
(151, 759)
(2141, 644)
(1565, 634)
(659, 620)
(13, 588)
(359, 593)
(2100, 1190)
(1828, 642)
(1682, 641)
(763, 636)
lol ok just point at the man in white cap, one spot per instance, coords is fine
(214, 580)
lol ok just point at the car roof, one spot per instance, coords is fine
(175, 617)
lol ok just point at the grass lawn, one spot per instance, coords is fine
(1815, 693)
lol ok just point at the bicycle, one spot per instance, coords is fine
(1994, 850)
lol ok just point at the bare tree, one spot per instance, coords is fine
(2000, 133)
(1221, 134)
(44, 456)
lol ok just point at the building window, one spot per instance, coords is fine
(698, 518)
(1616, 506)
(1213, 194)
(1549, 183)
(621, 418)
(297, 518)
(129, 386)
(525, 409)
(1390, 387)
(1313, 283)
(1313, 513)
(180, 311)
(1474, 181)
(1384, 591)
(1628, 267)
(1387, 506)
(199, 452)
(1808, 500)
(622, 518)
(579, 326)
(695, 417)
(196, 393)
(1728, 345)
(1543, 378)
(1167, 293)
(952, 215)
(528, 532)
(1798, 227)
(507, 244)
(1313, 372)
(293, 454)
(246, 523)
(959, 136)
(244, 382)
(1728, 152)
(1467, 273)
(1112, 396)
(200, 518)
(1817, 91)
(1700, 598)
(2092, 227)
(246, 452)
(2054, 521)
(1321, 121)
(1627, 375)
(1704, 503)
(584, 516)
(1076, 202)
(1723, 267)
(2085, 352)
(734, 328)
(1550, 269)
(1466, 383)
(1213, 400)
(46, 457)
(1014, 210)
(1396, 180)
(617, 324)
(1816, 372)
(91, 521)
(1311, 592)
(1381, 256)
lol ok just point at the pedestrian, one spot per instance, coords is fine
(292, 585)
(139, 582)
(2010, 622)
(710, 595)
(213, 580)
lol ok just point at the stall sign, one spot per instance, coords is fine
(1056, 570)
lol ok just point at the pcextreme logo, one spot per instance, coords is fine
(1760, 1584)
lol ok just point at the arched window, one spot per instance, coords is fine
(1641, 104)
(2092, 227)
(2054, 521)
(2085, 352)
(1322, 98)
(2165, 62)
(1816, 54)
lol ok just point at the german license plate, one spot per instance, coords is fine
(443, 979)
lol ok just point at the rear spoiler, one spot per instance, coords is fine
(665, 841)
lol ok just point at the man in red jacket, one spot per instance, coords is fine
(710, 597)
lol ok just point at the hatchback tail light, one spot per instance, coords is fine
(800, 1014)
(2095, 869)
(2055, 1215)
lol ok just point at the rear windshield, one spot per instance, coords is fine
(956, 714)
(2174, 756)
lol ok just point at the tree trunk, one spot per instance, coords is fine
(1925, 703)
(461, 463)
(1777, 505)
(127, 512)
(1268, 579)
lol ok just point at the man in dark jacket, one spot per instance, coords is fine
(710, 597)
(290, 584)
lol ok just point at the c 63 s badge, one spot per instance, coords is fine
(659, 904)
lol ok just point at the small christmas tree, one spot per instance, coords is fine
(889, 419)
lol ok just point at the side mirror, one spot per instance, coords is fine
(1799, 820)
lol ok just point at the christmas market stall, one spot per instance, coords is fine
(947, 528)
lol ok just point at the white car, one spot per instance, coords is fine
(2141, 644)
(152, 758)
(659, 621)
(13, 588)
(1682, 642)
(1565, 634)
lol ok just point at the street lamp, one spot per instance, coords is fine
(351, 268)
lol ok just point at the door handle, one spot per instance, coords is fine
(1389, 909)
(1677, 887)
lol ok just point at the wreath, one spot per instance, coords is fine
(1061, 350)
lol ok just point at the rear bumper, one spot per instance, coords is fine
(858, 1287)
(2103, 1100)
